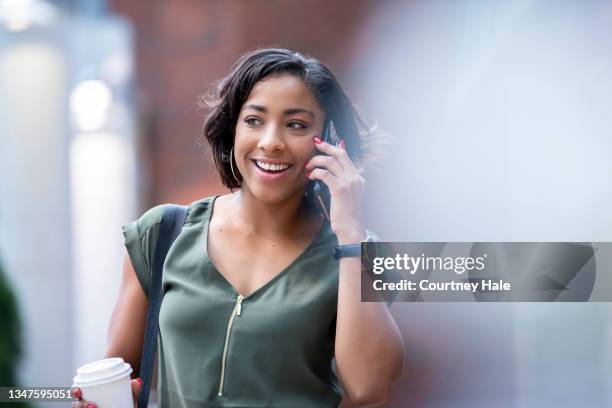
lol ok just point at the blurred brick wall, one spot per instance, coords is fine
(182, 47)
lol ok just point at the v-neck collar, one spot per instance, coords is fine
(206, 230)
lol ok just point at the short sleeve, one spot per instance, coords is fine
(141, 240)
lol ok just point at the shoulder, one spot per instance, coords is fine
(199, 210)
(141, 236)
(196, 211)
(151, 217)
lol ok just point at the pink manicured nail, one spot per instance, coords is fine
(342, 144)
(317, 140)
(91, 405)
(139, 381)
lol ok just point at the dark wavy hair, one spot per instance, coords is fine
(225, 102)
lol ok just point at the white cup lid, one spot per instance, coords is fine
(102, 371)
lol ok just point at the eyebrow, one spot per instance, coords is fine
(290, 111)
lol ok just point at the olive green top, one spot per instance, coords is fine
(273, 348)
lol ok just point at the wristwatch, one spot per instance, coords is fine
(350, 250)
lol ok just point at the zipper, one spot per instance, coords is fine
(236, 312)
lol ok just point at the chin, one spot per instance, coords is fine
(272, 196)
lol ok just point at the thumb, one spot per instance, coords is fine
(136, 386)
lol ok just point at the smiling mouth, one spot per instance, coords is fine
(271, 167)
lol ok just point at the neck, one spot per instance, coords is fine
(283, 218)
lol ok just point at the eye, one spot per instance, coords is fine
(252, 121)
(297, 125)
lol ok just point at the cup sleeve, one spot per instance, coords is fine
(140, 241)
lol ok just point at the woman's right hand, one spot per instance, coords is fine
(81, 403)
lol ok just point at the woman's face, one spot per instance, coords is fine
(274, 137)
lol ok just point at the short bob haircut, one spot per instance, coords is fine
(225, 103)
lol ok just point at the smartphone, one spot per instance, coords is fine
(317, 192)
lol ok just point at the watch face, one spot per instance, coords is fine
(370, 251)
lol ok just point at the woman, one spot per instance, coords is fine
(256, 309)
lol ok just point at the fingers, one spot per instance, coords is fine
(136, 389)
(136, 386)
(336, 170)
(76, 393)
(83, 404)
(80, 403)
(326, 162)
(325, 176)
(337, 152)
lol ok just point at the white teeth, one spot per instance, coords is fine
(272, 166)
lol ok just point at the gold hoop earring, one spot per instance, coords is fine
(231, 158)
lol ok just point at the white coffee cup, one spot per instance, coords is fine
(106, 383)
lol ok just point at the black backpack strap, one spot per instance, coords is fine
(172, 221)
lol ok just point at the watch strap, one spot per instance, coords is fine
(350, 250)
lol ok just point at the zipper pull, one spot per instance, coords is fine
(239, 305)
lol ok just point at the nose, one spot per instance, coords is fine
(271, 139)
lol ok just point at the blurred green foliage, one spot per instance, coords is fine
(10, 333)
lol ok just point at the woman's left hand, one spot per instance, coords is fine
(345, 186)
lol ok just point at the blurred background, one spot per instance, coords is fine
(501, 113)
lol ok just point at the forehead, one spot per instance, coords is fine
(282, 91)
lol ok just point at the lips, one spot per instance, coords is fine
(271, 166)
(271, 170)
